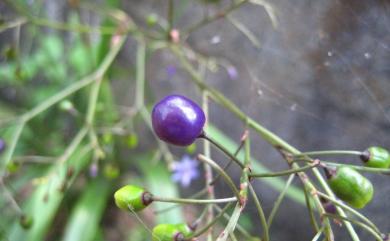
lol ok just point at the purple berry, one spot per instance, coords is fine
(178, 120)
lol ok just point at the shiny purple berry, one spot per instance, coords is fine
(178, 120)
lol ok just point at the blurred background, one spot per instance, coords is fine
(314, 72)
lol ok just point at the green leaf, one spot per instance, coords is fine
(84, 220)
(276, 183)
(44, 202)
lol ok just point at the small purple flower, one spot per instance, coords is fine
(171, 70)
(2, 145)
(185, 171)
(232, 72)
(93, 169)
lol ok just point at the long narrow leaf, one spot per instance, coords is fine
(84, 221)
(43, 204)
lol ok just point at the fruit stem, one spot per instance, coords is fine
(193, 201)
(224, 175)
(211, 223)
(361, 224)
(328, 152)
(283, 173)
(349, 209)
(170, 17)
(222, 148)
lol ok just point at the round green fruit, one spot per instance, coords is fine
(376, 156)
(132, 197)
(186, 230)
(350, 186)
(26, 221)
(167, 232)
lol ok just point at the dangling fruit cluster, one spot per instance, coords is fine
(350, 186)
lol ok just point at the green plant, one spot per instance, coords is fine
(70, 145)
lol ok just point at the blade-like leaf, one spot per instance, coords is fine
(43, 204)
(84, 220)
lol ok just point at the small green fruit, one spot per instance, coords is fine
(26, 221)
(376, 156)
(167, 232)
(151, 20)
(13, 167)
(350, 186)
(111, 171)
(132, 197)
(132, 141)
(186, 230)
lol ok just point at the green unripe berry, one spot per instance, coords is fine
(167, 232)
(350, 186)
(186, 230)
(26, 221)
(376, 156)
(111, 171)
(133, 197)
(132, 141)
(151, 19)
(13, 167)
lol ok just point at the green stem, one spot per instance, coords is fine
(224, 175)
(12, 24)
(93, 101)
(260, 211)
(170, 16)
(140, 75)
(227, 165)
(193, 201)
(361, 224)
(239, 227)
(351, 210)
(210, 223)
(279, 200)
(65, 26)
(222, 148)
(208, 172)
(10, 152)
(283, 173)
(196, 195)
(73, 145)
(328, 152)
(208, 20)
(318, 234)
(313, 220)
(231, 224)
(360, 168)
